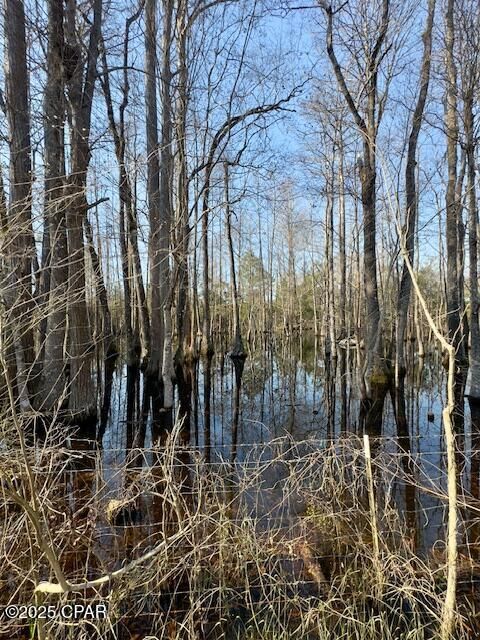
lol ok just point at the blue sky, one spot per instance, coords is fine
(279, 51)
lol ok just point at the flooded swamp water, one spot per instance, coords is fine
(255, 507)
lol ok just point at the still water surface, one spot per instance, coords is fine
(289, 389)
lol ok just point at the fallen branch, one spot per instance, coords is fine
(68, 587)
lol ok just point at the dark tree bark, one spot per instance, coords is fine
(453, 278)
(182, 223)
(237, 350)
(81, 76)
(167, 282)
(329, 258)
(127, 222)
(110, 348)
(342, 235)
(451, 124)
(411, 193)
(159, 183)
(20, 246)
(207, 342)
(375, 374)
(153, 191)
(43, 293)
(55, 211)
(469, 37)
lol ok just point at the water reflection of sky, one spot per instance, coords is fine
(287, 389)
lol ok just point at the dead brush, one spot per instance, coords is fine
(278, 545)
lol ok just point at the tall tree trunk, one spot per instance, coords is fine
(207, 344)
(110, 348)
(453, 312)
(461, 250)
(474, 353)
(81, 83)
(409, 231)
(153, 193)
(159, 176)
(182, 239)
(130, 254)
(292, 280)
(237, 350)
(375, 373)
(411, 196)
(165, 201)
(20, 247)
(330, 266)
(341, 237)
(43, 295)
(452, 214)
(55, 207)
(263, 284)
(374, 367)
(195, 331)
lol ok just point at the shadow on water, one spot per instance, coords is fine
(474, 530)
(118, 487)
(405, 447)
(207, 396)
(238, 366)
(227, 405)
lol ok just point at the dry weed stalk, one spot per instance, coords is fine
(279, 544)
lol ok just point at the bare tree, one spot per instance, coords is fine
(237, 350)
(128, 232)
(469, 49)
(81, 72)
(20, 246)
(411, 205)
(375, 372)
(454, 277)
(54, 380)
(160, 175)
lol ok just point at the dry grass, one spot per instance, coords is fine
(277, 545)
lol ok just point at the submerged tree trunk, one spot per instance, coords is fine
(375, 374)
(183, 228)
(409, 230)
(237, 350)
(207, 396)
(153, 194)
(332, 339)
(238, 365)
(165, 201)
(160, 364)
